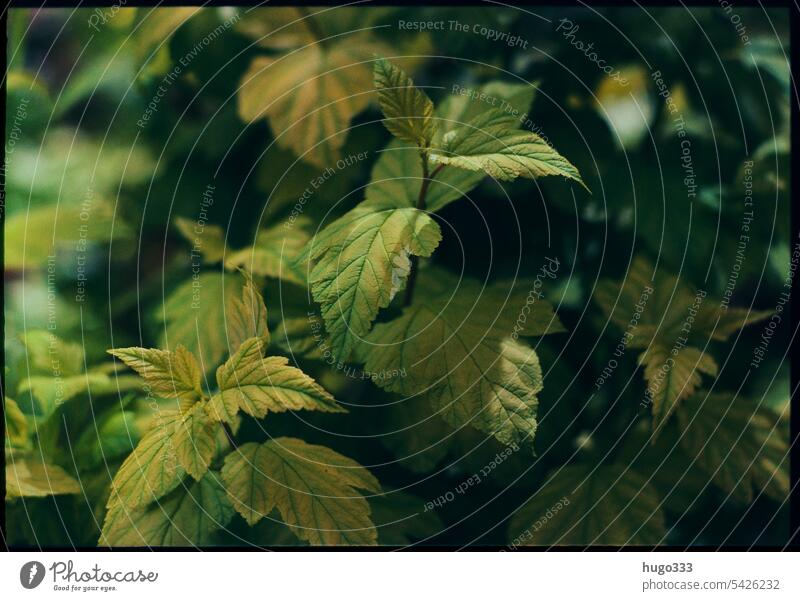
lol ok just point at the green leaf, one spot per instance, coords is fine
(169, 374)
(46, 353)
(491, 144)
(34, 235)
(259, 385)
(586, 505)
(397, 177)
(298, 336)
(28, 476)
(397, 174)
(274, 253)
(16, 423)
(314, 488)
(672, 375)
(463, 105)
(247, 318)
(458, 352)
(52, 391)
(408, 110)
(195, 441)
(195, 316)
(362, 262)
(206, 239)
(188, 516)
(741, 445)
(154, 468)
(113, 435)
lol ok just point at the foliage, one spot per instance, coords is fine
(468, 337)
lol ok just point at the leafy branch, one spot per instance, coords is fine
(155, 494)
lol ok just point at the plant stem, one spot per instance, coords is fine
(427, 178)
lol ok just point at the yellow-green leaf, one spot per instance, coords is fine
(169, 374)
(51, 391)
(259, 385)
(28, 476)
(16, 423)
(672, 375)
(206, 240)
(195, 441)
(362, 262)
(153, 469)
(274, 253)
(397, 174)
(463, 359)
(590, 505)
(491, 144)
(46, 353)
(408, 110)
(246, 317)
(186, 517)
(31, 236)
(311, 94)
(195, 316)
(314, 489)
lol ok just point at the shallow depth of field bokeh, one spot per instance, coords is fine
(157, 159)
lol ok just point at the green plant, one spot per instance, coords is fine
(188, 462)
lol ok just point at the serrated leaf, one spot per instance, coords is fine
(195, 316)
(491, 144)
(673, 375)
(314, 488)
(188, 516)
(397, 174)
(587, 505)
(29, 476)
(662, 303)
(153, 468)
(258, 385)
(408, 110)
(464, 361)
(169, 374)
(720, 322)
(362, 261)
(246, 317)
(195, 441)
(274, 253)
(463, 105)
(741, 445)
(311, 94)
